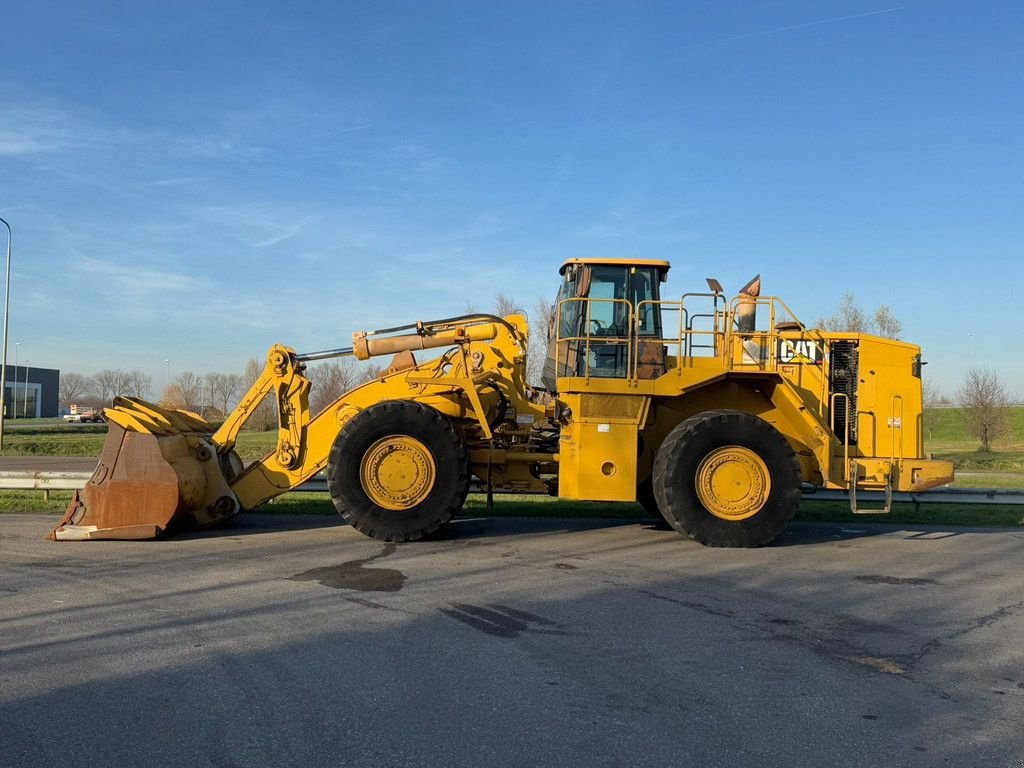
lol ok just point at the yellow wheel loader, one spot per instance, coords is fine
(711, 412)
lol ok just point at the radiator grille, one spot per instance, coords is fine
(843, 375)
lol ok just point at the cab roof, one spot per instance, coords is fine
(659, 263)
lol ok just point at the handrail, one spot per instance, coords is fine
(874, 431)
(722, 334)
(846, 430)
(627, 341)
(657, 304)
(683, 341)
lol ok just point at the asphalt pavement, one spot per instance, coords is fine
(509, 642)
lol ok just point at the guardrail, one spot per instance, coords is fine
(934, 496)
(69, 481)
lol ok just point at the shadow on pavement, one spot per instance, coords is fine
(482, 527)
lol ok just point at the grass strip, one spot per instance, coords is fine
(87, 440)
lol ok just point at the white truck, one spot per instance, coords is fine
(83, 415)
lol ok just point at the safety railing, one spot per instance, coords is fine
(583, 350)
(687, 339)
(756, 347)
(768, 336)
(694, 326)
(846, 428)
(663, 310)
(782, 341)
(894, 424)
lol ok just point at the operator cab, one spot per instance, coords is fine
(602, 308)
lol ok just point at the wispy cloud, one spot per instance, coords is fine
(257, 225)
(216, 147)
(417, 157)
(335, 132)
(285, 233)
(44, 130)
(174, 181)
(804, 25)
(618, 222)
(38, 130)
(640, 228)
(133, 281)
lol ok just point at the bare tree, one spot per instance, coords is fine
(930, 397)
(223, 388)
(848, 317)
(542, 333)
(74, 387)
(109, 383)
(369, 373)
(265, 415)
(930, 393)
(185, 392)
(504, 305)
(329, 382)
(986, 405)
(886, 324)
(137, 384)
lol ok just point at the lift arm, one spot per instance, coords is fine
(305, 442)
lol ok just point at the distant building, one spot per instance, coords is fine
(35, 398)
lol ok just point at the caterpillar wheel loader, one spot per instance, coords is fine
(711, 412)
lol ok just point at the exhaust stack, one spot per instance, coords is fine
(746, 307)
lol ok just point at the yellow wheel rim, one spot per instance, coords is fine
(397, 472)
(733, 483)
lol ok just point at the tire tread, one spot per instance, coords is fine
(359, 512)
(671, 491)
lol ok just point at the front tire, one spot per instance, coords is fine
(398, 471)
(727, 479)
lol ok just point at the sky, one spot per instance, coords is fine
(192, 182)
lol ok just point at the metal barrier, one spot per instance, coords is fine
(70, 481)
(73, 481)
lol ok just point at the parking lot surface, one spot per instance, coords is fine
(511, 642)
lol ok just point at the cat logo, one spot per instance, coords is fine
(799, 351)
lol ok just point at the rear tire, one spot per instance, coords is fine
(398, 471)
(727, 479)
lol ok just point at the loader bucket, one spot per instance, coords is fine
(158, 470)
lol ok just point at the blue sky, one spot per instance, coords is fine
(195, 182)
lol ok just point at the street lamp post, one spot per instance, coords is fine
(14, 387)
(3, 365)
(24, 408)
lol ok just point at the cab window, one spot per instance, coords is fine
(645, 288)
(608, 315)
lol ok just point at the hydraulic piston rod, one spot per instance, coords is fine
(365, 348)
